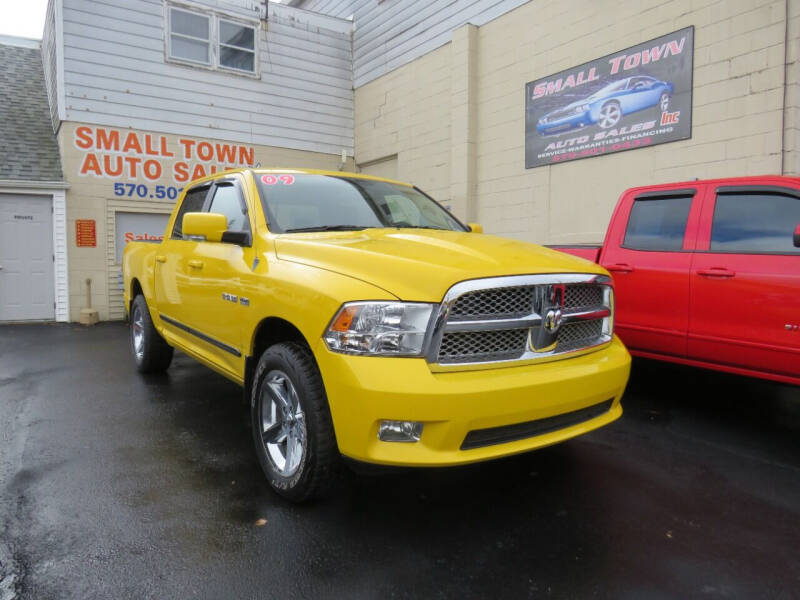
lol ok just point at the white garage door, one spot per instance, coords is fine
(26, 258)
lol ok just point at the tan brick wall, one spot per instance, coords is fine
(739, 122)
(407, 112)
(92, 197)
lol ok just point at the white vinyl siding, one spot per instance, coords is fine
(49, 61)
(301, 97)
(389, 34)
(334, 8)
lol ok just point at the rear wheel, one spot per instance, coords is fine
(663, 103)
(151, 353)
(291, 422)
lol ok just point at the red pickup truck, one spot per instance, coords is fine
(707, 273)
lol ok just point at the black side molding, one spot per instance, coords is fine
(201, 335)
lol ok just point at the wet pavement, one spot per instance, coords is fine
(115, 485)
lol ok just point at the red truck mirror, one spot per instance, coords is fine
(797, 236)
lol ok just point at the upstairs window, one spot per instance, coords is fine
(237, 46)
(212, 41)
(189, 36)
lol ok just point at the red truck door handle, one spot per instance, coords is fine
(716, 272)
(620, 268)
(195, 264)
(161, 258)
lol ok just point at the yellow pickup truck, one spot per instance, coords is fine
(364, 320)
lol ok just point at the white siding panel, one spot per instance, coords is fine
(388, 35)
(334, 8)
(60, 255)
(116, 74)
(49, 61)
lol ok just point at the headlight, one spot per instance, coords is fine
(379, 328)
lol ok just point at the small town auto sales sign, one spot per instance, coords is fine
(634, 98)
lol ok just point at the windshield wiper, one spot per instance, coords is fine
(400, 226)
(327, 228)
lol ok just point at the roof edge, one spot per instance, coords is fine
(38, 185)
(22, 42)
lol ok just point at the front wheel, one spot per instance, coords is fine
(151, 353)
(292, 428)
(610, 114)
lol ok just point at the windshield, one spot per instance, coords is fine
(296, 202)
(611, 87)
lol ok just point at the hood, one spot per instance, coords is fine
(421, 265)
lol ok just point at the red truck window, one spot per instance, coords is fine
(658, 223)
(755, 223)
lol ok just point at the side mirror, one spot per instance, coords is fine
(797, 236)
(210, 226)
(475, 227)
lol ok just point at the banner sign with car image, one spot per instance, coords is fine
(638, 97)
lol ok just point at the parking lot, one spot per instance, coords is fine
(114, 484)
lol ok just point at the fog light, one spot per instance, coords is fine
(399, 431)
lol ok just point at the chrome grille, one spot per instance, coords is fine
(583, 296)
(579, 334)
(508, 319)
(499, 304)
(479, 346)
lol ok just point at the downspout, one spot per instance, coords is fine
(785, 83)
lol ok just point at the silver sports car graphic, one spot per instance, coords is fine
(608, 105)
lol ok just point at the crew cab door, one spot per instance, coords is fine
(745, 281)
(214, 285)
(648, 250)
(173, 273)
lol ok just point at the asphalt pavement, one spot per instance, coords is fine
(117, 485)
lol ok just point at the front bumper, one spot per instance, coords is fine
(564, 124)
(362, 391)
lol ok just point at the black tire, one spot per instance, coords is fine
(282, 369)
(153, 354)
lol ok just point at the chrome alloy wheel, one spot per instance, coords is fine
(137, 333)
(664, 103)
(610, 115)
(283, 423)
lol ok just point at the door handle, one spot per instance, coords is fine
(195, 264)
(716, 272)
(161, 258)
(620, 268)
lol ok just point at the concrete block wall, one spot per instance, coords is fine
(455, 117)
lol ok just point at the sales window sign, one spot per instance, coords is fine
(86, 233)
(635, 98)
(138, 227)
